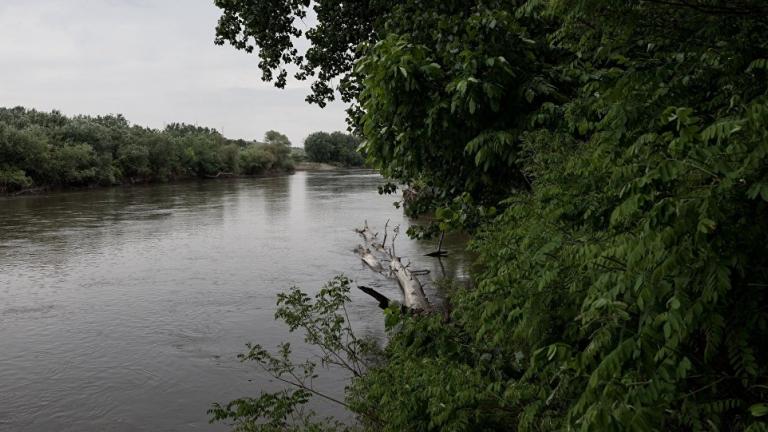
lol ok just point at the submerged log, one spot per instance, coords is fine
(439, 252)
(371, 238)
(381, 298)
(369, 259)
(220, 174)
(413, 292)
(27, 191)
(366, 233)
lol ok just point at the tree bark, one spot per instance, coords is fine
(371, 238)
(413, 292)
(369, 259)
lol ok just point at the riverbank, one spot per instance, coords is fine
(302, 166)
(177, 180)
(317, 166)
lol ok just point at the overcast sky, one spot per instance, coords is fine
(154, 61)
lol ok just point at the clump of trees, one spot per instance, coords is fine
(298, 154)
(41, 150)
(335, 148)
(611, 159)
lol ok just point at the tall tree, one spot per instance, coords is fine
(623, 284)
(274, 25)
(276, 138)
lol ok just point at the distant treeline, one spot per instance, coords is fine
(336, 148)
(42, 150)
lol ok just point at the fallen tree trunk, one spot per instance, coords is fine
(371, 238)
(369, 259)
(381, 298)
(413, 292)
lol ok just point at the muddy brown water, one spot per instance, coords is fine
(123, 309)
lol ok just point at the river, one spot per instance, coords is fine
(123, 309)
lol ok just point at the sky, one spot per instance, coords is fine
(154, 61)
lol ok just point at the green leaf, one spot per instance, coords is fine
(529, 95)
(759, 410)
(706, 225)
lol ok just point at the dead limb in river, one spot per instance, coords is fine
(221, 174)
(383, 300)
(369, 259)
(371, 238)
(439, 252)
(413, 292)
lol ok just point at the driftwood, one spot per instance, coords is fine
(371, 238)
(28, 191)
(383, 300)
(369, 259)
(439, 252)
(219, 174)
(413, 292)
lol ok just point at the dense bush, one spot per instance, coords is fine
(336, 147)
(622, 283)
(40, 149)
(298, 154)
(254, 160)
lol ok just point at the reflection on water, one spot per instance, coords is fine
(123, 309)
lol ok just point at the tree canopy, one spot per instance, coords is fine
(336, 147)
(276, 138)
(610, 157)
(274, 25)
(39, 149)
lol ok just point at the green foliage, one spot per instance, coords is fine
(270, 412)
(273, 26)
(443, 100)
(336, 147)
(256, 159)
(40, 149)
(612, 157)
(298, 154)
(134, 160)
(75, 164)
(432, 380)
(326, 327)
(13, 179)
(282, 154)
(276, 138)
(319, 147)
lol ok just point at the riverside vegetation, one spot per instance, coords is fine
(335, 148)
(609, 158)
(50, 150)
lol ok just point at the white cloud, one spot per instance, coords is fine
(153, 61)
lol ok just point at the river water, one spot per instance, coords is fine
(123, 309)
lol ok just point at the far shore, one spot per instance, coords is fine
(301, 166)
(317, 166)
(139, 183)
